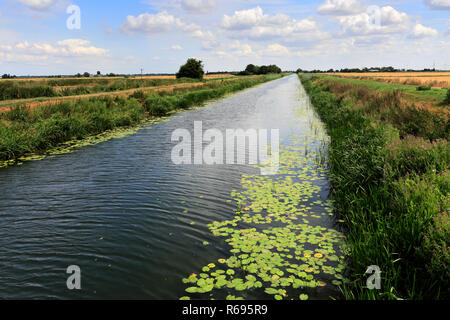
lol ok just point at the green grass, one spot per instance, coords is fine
(14, 90)
(393, 196)
(435, 95)
(391, 106)
(24, 131)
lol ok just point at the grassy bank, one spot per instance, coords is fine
(24, 131)
(14, 90)
(410, 92)
(390, 184)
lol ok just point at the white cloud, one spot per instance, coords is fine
(198, 6)
(238, 49)
(275, 50)
(37, 4)
(163, 22)
(232, 49)
(152, 23)
(421, 31)
(340, 7)
(176, 47)
(438, 4)
(256, 25)
(244, 19)
(49, 53)
(383, 21)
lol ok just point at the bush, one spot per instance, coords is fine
(192, 69)
(423, 88)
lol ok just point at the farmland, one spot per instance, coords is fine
(432, 79)
(20, 89)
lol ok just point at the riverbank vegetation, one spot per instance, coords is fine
(13, 90)
(26, 131)
(389, 158)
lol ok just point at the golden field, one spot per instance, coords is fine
(432, 79)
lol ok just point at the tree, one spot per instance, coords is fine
(99, 73)
(252, 69)
(263, 70)
(86, 75)
(192, 69)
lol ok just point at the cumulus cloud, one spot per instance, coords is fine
(420, 32)
(381, 21)
(152, 23)
(275, 50)
(45, 52)
(340, 7)
(160, 23)
(438, 4)
(256, 25)
(198, 6)
(37, 4)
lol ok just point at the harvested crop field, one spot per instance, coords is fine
(432, 79)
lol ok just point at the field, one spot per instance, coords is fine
(390, 182)
(432, 79)
(21, 89)
(38, 92)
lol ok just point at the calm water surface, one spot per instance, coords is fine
(133, 221)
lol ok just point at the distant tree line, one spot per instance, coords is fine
(8, 76)
(258, 70)
(364, 70)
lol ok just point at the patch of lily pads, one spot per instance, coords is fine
(278, 248)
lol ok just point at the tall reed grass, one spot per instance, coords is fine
(391, 193)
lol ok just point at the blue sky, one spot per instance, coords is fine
(158, 36)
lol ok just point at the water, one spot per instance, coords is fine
(133, 221)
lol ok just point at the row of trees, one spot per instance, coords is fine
(87, 74)
(256, 70)
(364, 70)
(8, 76)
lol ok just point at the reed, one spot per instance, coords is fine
(392, 194)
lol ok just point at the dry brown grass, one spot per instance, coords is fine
(374, 102)
(432, 79)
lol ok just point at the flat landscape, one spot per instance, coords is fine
(200, 150)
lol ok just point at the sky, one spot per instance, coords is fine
(52, 37)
